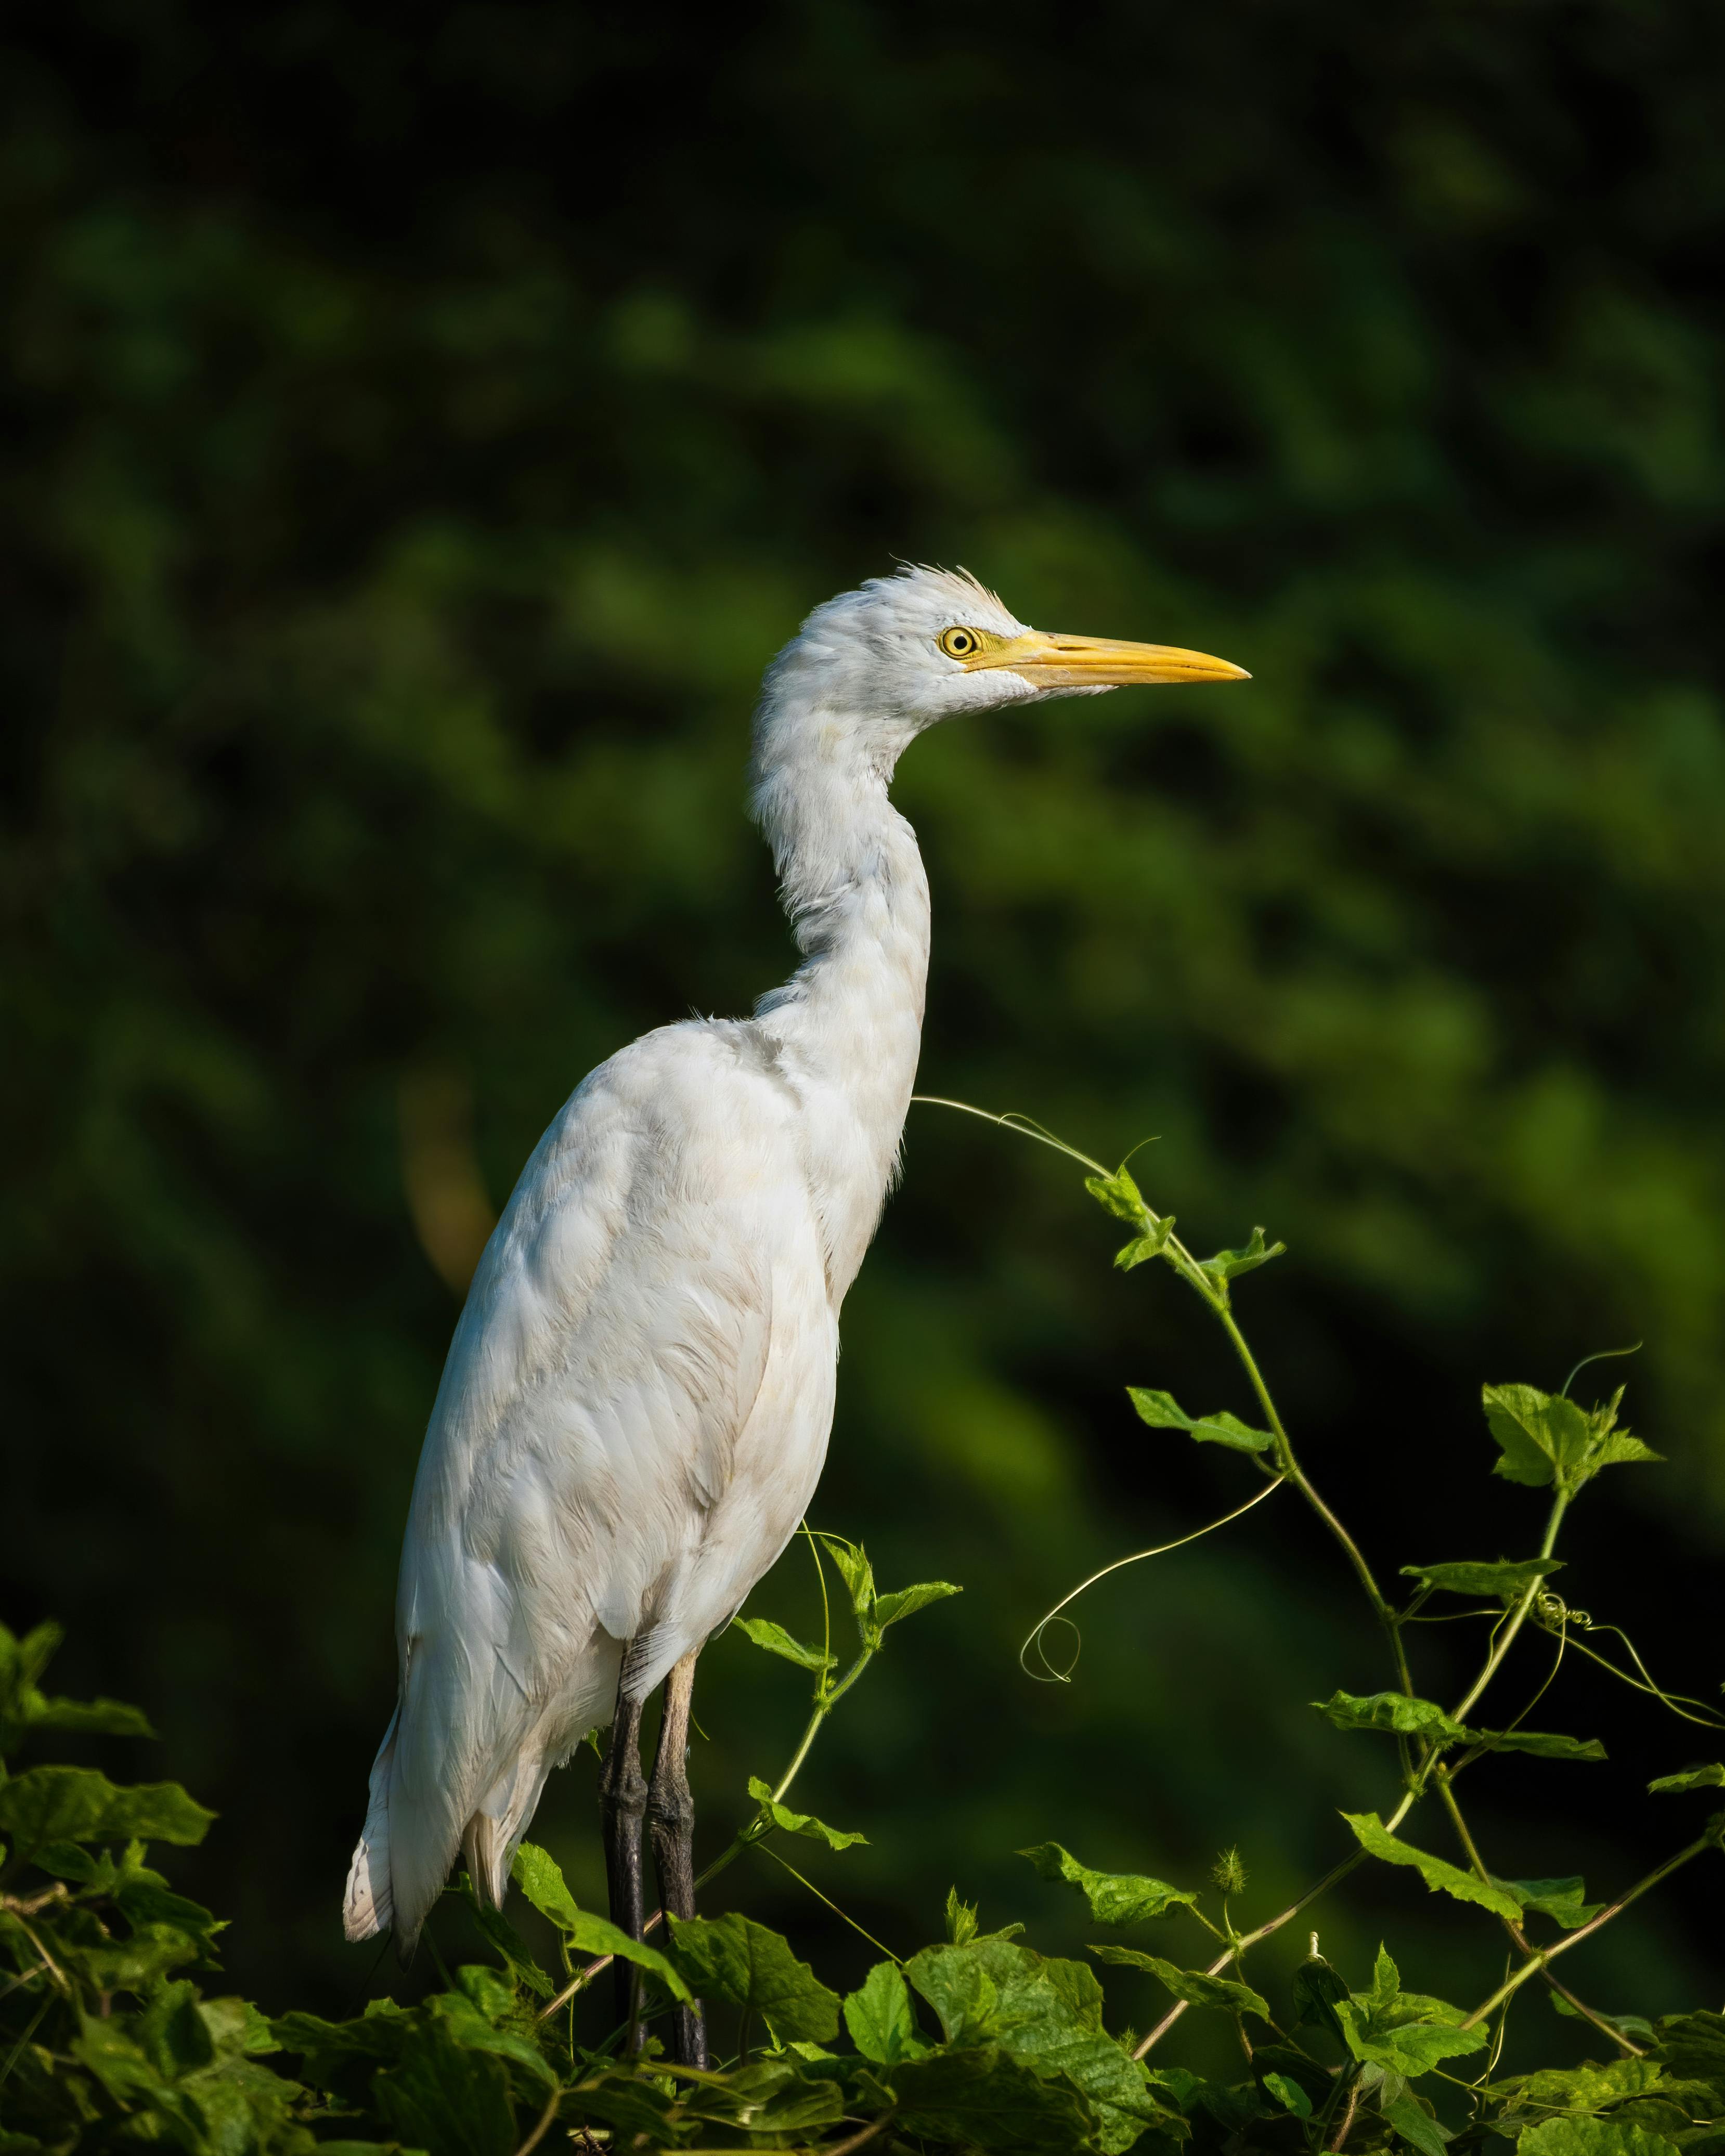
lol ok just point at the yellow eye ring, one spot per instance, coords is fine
(960, 643)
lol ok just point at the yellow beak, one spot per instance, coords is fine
(1099, 662)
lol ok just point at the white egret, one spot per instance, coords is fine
(639, 1394)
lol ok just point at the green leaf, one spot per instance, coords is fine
(1559, 1899)
(1592, 2137)
(333, 2053)
(1710, 1777)
(1161, 1412)
(984, 2098)
(803, 1823)
(1393, 1712)
(772, 2095)
(961, 1919)
(1417, 2127)
(642, 2113)
(1542, 1744)
(463, 2015)
(448, 2099)
(1537, 1433)
(24, 1710)
(76, 1803)
(1507, 1578)
(1228, 1265)
(1289, 2094)
(1623, 1450)
(1412, 2049)
(1115, 1898)
(1118, 1194)
(1635, 2026)
(1584, 2089)
(881, 2018)
(905, 1601)
(858, 1575)
(1048, 2014)
(1193, 1985)
(1694, 2044)
(774, 1638)
(1151, 1244)
(536, 1873)
(733, 1957)
(510, 1948)
(1404, 2033)
(540, 1877)
(1545, 1438)
(1318, 1989)
(1372, 1836)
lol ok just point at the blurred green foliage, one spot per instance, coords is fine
(425, 424)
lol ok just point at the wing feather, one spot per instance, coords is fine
(614, 1346)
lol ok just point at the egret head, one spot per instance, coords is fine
(872, 669)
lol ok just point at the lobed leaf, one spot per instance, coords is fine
(733, 1957)
(540, 1877)
(1541, 1744)
(905, 1601)
(1559, 1899)
(1289, 2094)
(984, 2098)
(1507, 1578)
(1592, 2137)
(1544, 1438)
(536, 1873)
(447, 2099)
(1417, 2127)
(1537, 1433)
(773, 1637)
(1404, 2033)
(1709, 1777)
(1375, 1838)
(1228, 1264)
(1150, 1245)
(961, 1919)
(1318, 1989)
(1047, 2014)
(1161, 1412)
(1624, 1450)
(881, 2018)
(76, 1803)
(802, 1822)
(858, 1575)
(1115, 1898)
(1193, 1985)
(1395, 1713)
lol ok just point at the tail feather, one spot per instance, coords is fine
(368, 1907)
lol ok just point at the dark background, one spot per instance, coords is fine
(425, 424)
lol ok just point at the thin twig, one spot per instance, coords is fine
(898, 1959)
(1574, 1938)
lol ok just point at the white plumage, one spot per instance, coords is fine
(637, 1398)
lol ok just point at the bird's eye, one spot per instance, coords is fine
(960, 643)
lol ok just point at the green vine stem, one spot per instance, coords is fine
(1547, 1954)
(1417, 1772)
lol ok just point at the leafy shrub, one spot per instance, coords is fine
(110, 2036)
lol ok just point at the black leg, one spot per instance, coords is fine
(623, 1802)
(671, 1819)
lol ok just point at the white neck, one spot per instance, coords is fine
(849, 1022)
